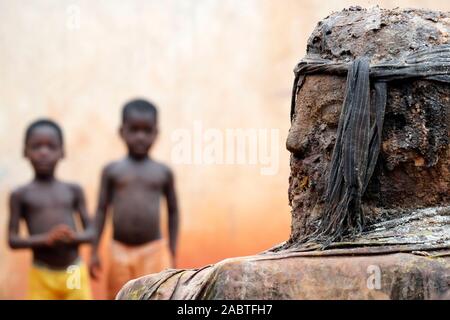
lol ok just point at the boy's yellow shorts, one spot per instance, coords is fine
(49, 284)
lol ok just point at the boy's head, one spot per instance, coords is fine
(44, 145)
(139, 127)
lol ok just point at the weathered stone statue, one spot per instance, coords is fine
(370, 181)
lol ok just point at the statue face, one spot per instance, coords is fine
(414, 161)
(311, 140)
(318, 108)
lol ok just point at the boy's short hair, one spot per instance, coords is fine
(138, 105)
(43, 123)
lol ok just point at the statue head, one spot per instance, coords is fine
(413, 164)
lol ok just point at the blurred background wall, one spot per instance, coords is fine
(224, 64)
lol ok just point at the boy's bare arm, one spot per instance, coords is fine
(15, 241)
(104, 200)
(87, 235)
(172, 206)
(100, 217)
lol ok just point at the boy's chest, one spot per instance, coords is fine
(49, 199)
(140, 179)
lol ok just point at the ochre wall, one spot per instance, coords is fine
(225, 63)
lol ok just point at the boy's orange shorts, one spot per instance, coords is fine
(131, 262)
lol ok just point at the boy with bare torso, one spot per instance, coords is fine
(48, 206)
(133, 187)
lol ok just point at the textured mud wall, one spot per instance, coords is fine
(413, 166)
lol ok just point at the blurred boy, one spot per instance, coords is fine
(133, 186)
(48, 206)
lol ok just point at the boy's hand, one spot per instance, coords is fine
(61, 233)
(94, 266)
